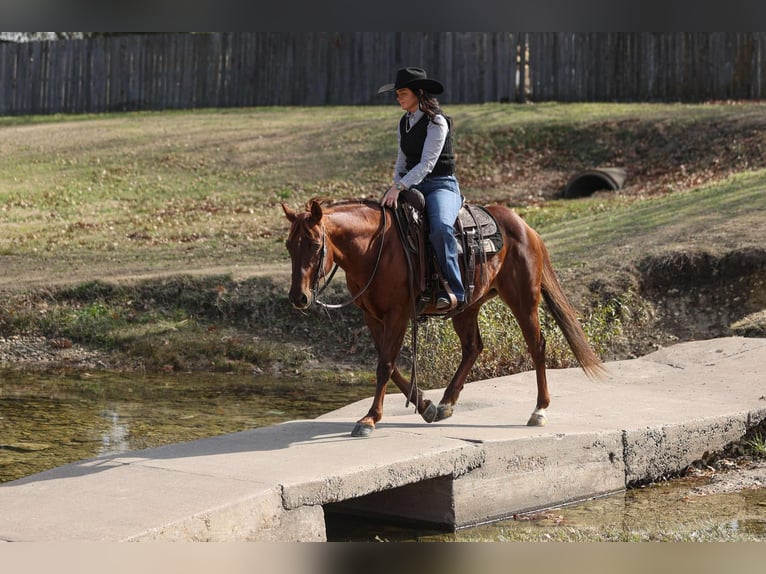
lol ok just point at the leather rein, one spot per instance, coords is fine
(317, 290)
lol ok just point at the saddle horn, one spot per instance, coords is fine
(414, 197)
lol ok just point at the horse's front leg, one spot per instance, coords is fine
(366, 424)
(466, 326)
(424, 406)
(388, 339)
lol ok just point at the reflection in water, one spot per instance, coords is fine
(116, 437)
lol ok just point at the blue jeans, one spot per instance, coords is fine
(443, 201)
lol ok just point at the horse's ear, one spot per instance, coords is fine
(316, 212)
(291, 215)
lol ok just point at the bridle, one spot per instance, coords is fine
(320, 274)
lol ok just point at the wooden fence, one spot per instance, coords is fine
(166, 71)
(648, 66)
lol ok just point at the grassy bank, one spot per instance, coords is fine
(158, 236)
(89, 196)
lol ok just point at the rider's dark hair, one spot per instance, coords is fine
(428, 103)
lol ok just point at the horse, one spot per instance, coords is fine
(360, 237)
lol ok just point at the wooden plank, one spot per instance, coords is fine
(3, 78)
(100, 75)
(236, 89)
(45, 83)
(21, 95)
(163, 72)
(88, 100)
(58, 75)
(115, 49)
(73, 76)
(7, 67)
(175, 70)
(130, 65)
(187, 72)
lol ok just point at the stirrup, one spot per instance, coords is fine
(446, 301)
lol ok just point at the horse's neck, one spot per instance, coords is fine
(351, 232)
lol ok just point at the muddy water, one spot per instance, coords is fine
(49, 420)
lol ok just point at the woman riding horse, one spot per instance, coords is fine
(425, 159)
(358, 237)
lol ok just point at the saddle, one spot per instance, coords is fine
(476, 232)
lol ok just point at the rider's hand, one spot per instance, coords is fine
(390, 197)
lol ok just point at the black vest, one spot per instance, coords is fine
(412, 143)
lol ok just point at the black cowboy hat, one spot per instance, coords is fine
(413, 78)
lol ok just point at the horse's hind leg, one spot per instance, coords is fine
(519, 283)
(536, 346)
(529, 322)
(466, 326)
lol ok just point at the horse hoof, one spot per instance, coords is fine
(429, 415)
(362, 430)
(444, 412)
(538, 419)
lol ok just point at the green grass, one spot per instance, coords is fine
(677, 218)
(757, 445)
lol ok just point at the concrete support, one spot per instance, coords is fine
(548, 470)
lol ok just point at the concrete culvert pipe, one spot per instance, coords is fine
(589, 181)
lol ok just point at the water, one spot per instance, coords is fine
(667, 511)
(48, 420)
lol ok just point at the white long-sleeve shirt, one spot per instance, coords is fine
(436, 135)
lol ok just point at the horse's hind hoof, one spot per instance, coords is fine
(429, 415)
(362, 430)
(538, 418)
(444, 412)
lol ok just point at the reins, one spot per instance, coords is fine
(319, 290)
(414, 316)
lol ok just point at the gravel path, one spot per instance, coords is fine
(30, 352)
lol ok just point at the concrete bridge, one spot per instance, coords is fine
(652, 416)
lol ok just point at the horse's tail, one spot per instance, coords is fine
(566, 318)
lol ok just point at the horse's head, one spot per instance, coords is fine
(307, 246)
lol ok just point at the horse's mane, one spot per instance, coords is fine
(348, 207)
(330, 202)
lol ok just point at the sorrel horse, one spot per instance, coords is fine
(359, 236)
